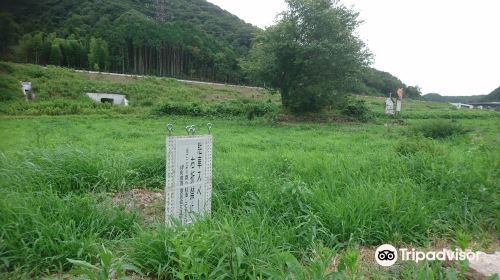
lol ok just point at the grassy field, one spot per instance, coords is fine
(290, 200)
(62, 91)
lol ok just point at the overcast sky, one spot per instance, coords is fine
(451, 47)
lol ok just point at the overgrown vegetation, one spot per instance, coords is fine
(61, 91)
(250, 110)
(40, 229)
(291, 200)
(357, 109)
(438, 129)
(316, 197)
(413, 145)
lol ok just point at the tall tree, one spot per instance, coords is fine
(98, 54)
(56, 56)
(9, 32)
(310, 55)
(94, 55)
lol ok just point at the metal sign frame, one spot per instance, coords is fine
(174, 189)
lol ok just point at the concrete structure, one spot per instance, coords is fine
(487, 105)
(28, 93)
(462, 105)
(479, 105)
(113, 98)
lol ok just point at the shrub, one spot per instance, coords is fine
(59, 107)
(250, 110)
(438, 129)
(357, 109)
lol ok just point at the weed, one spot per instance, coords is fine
(412, 145)
(357, 109)
(109, 267)
(438, 129)
(285, 197)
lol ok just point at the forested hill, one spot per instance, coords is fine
(380, 83)
(181, 38)
(462, 99)
(494, 96)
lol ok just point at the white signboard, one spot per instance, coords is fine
(189, 178)
(398, 105)
(389, 106)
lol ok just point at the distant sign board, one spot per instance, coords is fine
(389, 106)
(188, 187)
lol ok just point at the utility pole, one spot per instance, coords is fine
(160, 11)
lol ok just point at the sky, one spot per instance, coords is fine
(450, 47)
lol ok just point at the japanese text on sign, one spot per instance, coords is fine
(189, 178)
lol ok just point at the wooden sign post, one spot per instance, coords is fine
(399, 102)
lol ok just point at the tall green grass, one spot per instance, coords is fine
(286, 198)
(74, 170)
(41, 229)
(438, 129)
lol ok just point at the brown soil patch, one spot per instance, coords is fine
(149, 204)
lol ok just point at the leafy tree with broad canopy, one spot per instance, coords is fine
(311, 55)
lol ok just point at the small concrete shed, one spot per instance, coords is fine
(113, 98)
(28, 93)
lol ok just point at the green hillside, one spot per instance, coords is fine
(193, 39)
(79, 17)
(380, 83)
(493, 96)
(463, 99)
(61, 91)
